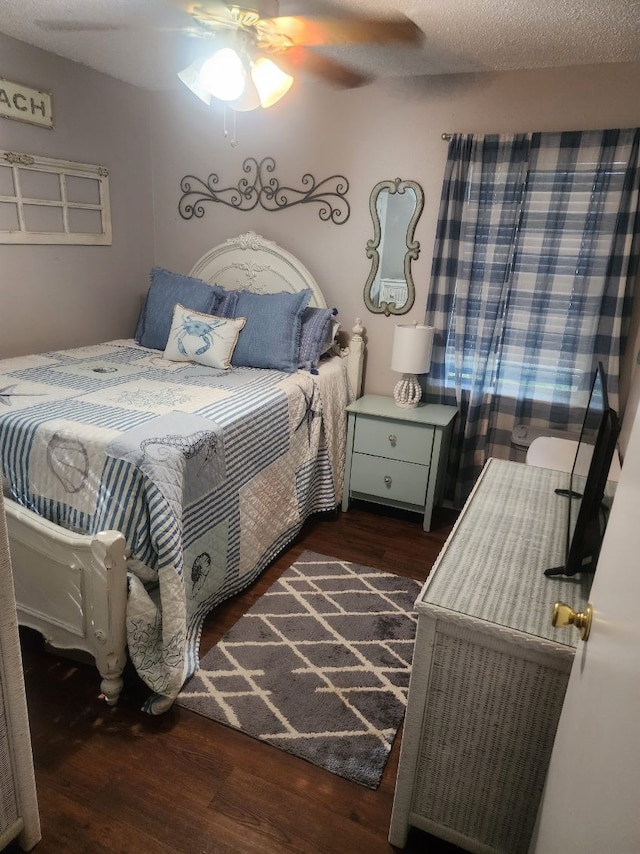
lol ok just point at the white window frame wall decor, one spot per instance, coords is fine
(63, 169)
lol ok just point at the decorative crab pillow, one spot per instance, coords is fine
(166, 290)
(202, 338)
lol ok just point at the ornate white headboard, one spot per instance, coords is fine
(250, 262)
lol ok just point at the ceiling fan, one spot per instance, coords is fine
(292, 38)
(246, 53)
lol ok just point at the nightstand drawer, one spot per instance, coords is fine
(389, 479)
(395, 440)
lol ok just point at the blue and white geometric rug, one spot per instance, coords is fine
(318, 667)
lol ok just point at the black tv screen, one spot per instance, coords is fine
(587, 513)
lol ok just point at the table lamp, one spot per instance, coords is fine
(411, 355)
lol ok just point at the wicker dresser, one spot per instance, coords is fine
(489, 672)
(18, 803)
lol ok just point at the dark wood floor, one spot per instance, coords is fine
(117, 780)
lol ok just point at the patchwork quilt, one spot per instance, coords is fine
(207, 473)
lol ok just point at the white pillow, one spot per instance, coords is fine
(202, 338)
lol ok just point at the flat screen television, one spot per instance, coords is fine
(587, 513)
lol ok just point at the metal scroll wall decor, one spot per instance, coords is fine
(262, 188)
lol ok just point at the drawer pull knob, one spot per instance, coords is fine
(392, 440)
(387, 479)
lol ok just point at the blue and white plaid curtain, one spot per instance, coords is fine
(534, 264)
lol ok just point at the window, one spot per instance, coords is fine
(534, 264)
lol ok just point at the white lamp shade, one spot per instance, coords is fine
(270, 81)
(412, 346)
(191, 79)
(223, 75)
(249, 100)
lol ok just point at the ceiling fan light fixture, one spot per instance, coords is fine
(271, 82)
(223, 75)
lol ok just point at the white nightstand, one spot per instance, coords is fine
(396, 456)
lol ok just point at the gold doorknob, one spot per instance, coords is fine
(564, 615)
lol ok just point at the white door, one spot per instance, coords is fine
(591, 802)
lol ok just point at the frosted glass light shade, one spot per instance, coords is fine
(249, 100)
(223, 75)
(270, 81)
(191, 79)
(412, 345)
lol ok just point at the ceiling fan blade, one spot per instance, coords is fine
(314, 32)
(78, 26)
(296, 59)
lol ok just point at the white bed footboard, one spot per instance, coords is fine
(72, 588)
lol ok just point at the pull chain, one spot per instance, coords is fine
(233, 141)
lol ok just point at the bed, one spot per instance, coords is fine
(142, 490)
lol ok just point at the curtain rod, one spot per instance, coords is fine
(446, 136)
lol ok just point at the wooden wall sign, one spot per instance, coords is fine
(25, 104)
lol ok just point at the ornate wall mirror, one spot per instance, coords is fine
(395, 209)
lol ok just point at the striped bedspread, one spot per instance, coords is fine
(207, 473)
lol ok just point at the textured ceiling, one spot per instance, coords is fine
(141, 42)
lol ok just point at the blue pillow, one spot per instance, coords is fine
(227, 305)
(167, 289)
(315, 336)
(271, 337)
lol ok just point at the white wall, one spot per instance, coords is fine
(63, 296)
(381, 131)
